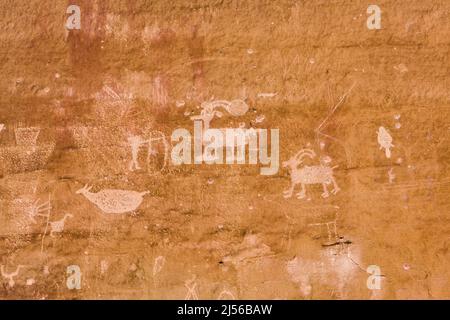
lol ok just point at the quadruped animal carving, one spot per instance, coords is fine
(307, 175)
(58, 226)
(114, 201)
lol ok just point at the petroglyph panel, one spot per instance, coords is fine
(202, 149)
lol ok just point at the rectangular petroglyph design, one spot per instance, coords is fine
(224, 150)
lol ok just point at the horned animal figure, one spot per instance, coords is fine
(307, 175)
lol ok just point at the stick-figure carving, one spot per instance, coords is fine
(306, 175)
(385, 141)
(114, 201)
(11, 276)
(58, 226)
(191, 286)
(136, 142)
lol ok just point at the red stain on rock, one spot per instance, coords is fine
(85, 47)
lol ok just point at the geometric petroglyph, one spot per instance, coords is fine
(26, 137)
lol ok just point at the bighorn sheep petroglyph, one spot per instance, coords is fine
(306, 175)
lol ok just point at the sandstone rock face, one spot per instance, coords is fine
(93, 206)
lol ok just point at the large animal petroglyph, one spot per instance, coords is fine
(114, 201)
(309, 175)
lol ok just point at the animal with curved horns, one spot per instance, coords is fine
(307, 175)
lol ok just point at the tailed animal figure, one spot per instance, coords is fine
(114, 201)
(306, 175)
(11, 276)
(58, 226)
(385, 141)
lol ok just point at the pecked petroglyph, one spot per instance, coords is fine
(11, 275)
(37, 209)
(137, 142)
(158, 265)
(226, 295)
(385, 141)
(114, 201)
(27, 137)
(58, 226)
(297, 271)
(235, 108)
(309, 175)
(191, 286)
(210, 143)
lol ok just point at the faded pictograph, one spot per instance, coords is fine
(27, 137)
(12, 275)
(226, 295)
(158, 265)
(114, 200)
(37, 209)
(37, 212)
(331, 227)
(114, 103)
(297, 271)
(310, 175)
(160, 92)
(136, 142)
(391, 175)
(385, 141)
(26, 153)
